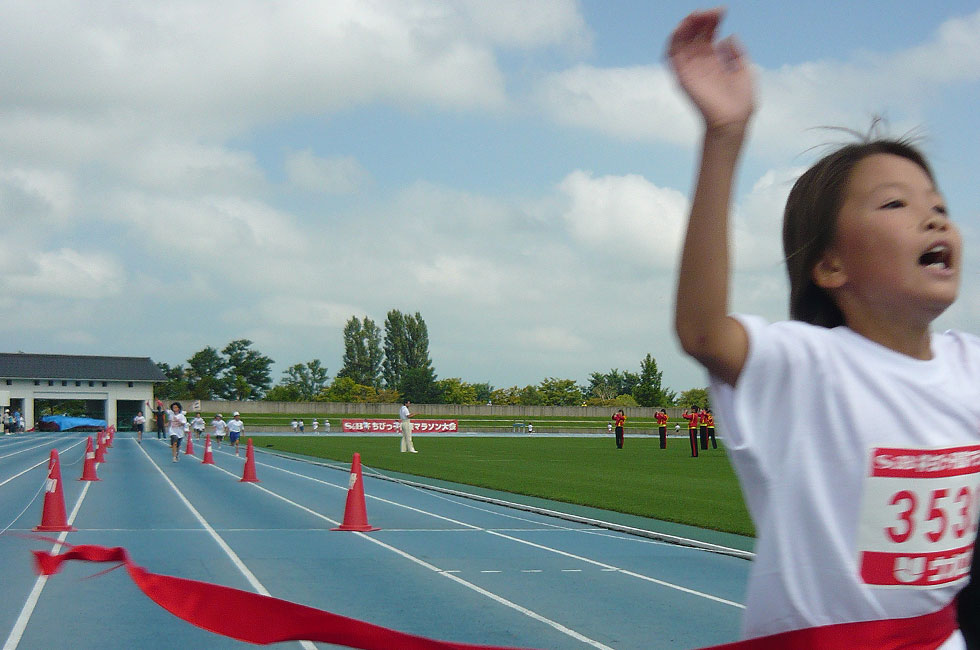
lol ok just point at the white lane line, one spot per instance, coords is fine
(34, 466)
(571, 570)
(25, 613)
(21, 451)
(469, 585)
(603, 565)
(611, 568)
(222, 544)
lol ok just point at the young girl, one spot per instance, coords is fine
(176, 424)
(865, 534)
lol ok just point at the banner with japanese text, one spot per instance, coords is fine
(394, 426)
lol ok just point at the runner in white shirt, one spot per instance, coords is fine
(176, 424)
(855, 430)
(316, 425)
(235, 429)
(220, 426)
(198, 425)
(139, 422)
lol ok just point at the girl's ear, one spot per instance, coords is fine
(828, 272)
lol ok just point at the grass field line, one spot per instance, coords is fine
(417, 560)
(598, 523)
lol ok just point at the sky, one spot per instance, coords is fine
(177, 175)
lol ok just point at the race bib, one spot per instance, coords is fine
(919, 516)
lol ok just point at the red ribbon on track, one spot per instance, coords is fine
(248, 616)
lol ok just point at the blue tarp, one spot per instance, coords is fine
(64, 423)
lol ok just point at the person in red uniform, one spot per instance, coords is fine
(692, 428)
(620, 419)
(703, 422)
(711, 429)
(662, 425)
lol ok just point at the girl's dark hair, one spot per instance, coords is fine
(810, 222)
(179, 407)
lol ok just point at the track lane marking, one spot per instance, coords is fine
(38, 464)
(222, 544)
(20, 625)
(602, 565)
(445, 573)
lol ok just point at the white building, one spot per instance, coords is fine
(114, 388)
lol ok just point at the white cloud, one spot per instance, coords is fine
(625, 216)
(334, 175)
(34, 195)
(213, 230)
(641, 102)
(645, 103)
(516, 23)
(303, 311)
(187, 167)
(230, 64)
(555, 339)
(458, 276)
(64, 273)
(757, 240)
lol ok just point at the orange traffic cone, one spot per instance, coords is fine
(248, 476)
(208, 456)
(355, 513)
(189, 447)
(53, 518)
(88, 470)
(108, 436)
(100, 449)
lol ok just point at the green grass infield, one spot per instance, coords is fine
(640, 479)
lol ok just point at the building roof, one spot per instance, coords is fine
(66, 366)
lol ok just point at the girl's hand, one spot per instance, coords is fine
(715, 75)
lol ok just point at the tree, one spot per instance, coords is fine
(247, 373)
(484, 391)
(345, 389)
(406, 347)
(649, 391)
(456, 391)
(175, 387)
(204, 370)
(362, 352)
(284, 393)
(306, 380)
(607, 386)
(560, 392)
(506, 396)
(694, 397)
(529, 396)
(419, 385)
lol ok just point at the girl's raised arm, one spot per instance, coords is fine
(716, 76)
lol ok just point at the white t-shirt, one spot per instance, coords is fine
(403, 413)
(197, 424)
(236, 426)
(176, 423)
(219, 427)
(832, 437)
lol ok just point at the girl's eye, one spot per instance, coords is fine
(894, 204)
(941, 209)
